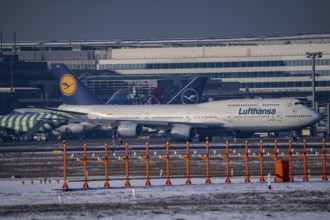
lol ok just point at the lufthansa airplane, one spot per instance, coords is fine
(184, 121)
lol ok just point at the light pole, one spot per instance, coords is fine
(11, 78)
(313, 55)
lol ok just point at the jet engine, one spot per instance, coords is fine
(181, 132)
(129, 129)
(72, 129)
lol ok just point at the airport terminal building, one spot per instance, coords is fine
(238, 67)
(278, 66)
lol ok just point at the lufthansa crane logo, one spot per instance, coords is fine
(68, 84)
(189, 96)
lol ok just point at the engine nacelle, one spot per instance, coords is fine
(77, 128)
(182, 132)
(72, 129)
(129, 129)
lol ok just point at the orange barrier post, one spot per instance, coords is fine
(84, 162)
(187, 159)
(246, 158)
(261, 159)
(65, 184)
(275, 157)
(226, 158)
(167, 160)
(303, 156)
(146, 160)
(206, 158)
(105, 162)
(324, 177)
(126, 161)
(289, 156)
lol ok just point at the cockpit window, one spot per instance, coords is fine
(298, 103)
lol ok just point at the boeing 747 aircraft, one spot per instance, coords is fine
(184, 121)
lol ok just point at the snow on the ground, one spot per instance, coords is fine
(218, 200)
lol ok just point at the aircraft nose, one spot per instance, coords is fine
(317, 117)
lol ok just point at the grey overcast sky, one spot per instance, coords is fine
(146, 19)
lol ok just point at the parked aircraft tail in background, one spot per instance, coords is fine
(191, 93)
(118, 98)
(154, 97)
(73, 91)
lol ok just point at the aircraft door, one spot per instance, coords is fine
(279, 116)
(188, 118)
(146, 116)
(230, 118)
(260, 104)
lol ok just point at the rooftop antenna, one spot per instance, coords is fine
(15, 42)
(0, 44)
(11, 67)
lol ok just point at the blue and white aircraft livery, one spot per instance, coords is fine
(184, 121)
(191, 93)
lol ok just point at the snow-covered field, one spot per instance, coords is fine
(237, 200)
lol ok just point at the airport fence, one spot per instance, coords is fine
(284, 164)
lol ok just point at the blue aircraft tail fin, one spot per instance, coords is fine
(73, 90)
(118, 98)
(191, 93)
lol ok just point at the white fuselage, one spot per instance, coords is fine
(235, 114)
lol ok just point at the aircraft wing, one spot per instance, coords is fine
(148, 123)
(77, 117)
(67, 113)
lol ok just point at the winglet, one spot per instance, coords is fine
(191, 93)
(73, 91)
